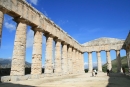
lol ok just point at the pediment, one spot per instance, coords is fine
(104, 41)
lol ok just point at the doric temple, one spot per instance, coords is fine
(68, 52)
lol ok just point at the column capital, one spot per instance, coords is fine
(48, 35)
(20, 19)
(70, 47)
(98, 51)
(37, 28)
(107, 50)
(57, 40)
(82, 52)
(89, 52)
(4, 10)
(117, 50)
(73, 48)
(64, 43)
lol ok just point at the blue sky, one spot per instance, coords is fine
(84, 20)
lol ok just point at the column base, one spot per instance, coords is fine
(15, 78)
(89, 71)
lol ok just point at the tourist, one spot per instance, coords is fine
(123, 70)
(95, 72)
(108, 72)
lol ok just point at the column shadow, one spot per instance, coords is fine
(118, 80)
(13, 85)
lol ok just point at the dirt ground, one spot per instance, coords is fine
(84, 80)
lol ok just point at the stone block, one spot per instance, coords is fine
(42, 75)
(26, 77)
(35, 76)
(5, 78)
(14, 78)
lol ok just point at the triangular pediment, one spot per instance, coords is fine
(104, 41)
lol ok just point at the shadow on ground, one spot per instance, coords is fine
(13, 85)
(118, 80)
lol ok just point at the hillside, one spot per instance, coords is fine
(114, 64)
(6, 63)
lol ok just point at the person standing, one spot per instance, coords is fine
(123, 70)
(108, 72)
(95, 72)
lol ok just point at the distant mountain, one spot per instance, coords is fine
(6, 63)
(114, 64)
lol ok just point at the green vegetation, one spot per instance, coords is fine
(86, 70)
(114, 65)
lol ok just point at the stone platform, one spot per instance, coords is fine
(84, 80)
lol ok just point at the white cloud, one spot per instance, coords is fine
(30, 36)
(10, 26)
(34, 2)
(62, 22)
(45, 13)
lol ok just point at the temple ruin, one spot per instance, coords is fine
(68, 52)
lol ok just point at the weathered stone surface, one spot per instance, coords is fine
(1, 23)
(90, 66)
(37, 54)
(18, 60)
(104, 41)
(35, 18)
(57, 63)
(109, 65)
(103, 44)
(73, 61)
(15, 78)
(128, 58)
(118, 61)
(48, 56)
(5, 78)
(82, 63)
(79, 63)
(35, 76)
(64, 59)
(76, 61)
(99, 62)
(70, 60)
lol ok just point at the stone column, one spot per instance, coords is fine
(118, 61)
(82, 65)
(128, 58)
(76, 63)
(90, 64)
(19, 52)
(109, 65)
(80, 62)
(37, 53)
(1, 24)
(73, 61)
(57, 64)
(49, 55)
(99, 62)
(64, 59)
(70, 60)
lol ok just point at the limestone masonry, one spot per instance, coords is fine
(68, 52)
